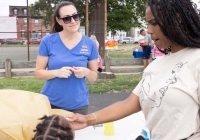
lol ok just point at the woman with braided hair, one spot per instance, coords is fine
(53, 127)
(169, 91)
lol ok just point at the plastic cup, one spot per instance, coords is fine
(109, 129)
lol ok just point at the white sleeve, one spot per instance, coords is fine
(137, 89)
(198, 91)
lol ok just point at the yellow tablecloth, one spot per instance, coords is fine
(19, 113)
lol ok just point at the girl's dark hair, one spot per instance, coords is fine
(56, 27)
(178, 20)
(53, 128)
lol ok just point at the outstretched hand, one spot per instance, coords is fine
(77, 121)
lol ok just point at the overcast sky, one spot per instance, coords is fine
(4, 5)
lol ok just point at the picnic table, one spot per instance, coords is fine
(125, 129)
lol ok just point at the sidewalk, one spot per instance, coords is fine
(99, 101)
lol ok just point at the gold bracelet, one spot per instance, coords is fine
(95, 120)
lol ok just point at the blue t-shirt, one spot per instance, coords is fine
(67, 93)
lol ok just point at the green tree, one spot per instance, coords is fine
(122, 14)
(125, 14)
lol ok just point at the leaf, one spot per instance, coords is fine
(122, 14)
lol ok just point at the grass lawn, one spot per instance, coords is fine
(122, 83)
(123, 51)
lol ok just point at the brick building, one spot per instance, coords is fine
(36, 29)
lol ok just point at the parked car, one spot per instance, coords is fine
(11, 41)
(127, 40)
(34, 41)
(3, 41)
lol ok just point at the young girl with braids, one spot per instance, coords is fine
(169, 91)
(53, 127)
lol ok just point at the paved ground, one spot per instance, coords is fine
(99, 101)
(18, 53)
(22, 52)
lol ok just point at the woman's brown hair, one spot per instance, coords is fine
(56, 27)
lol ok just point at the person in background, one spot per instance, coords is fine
(156, 52)
(54, 127)
(169, 91)
(95, 40)
(65, 58)
(99, 57)
(146, 47)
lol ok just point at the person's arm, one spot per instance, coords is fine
(113, 112)
(117, 110)
(90, 73)
(144, 44)
(42, 73)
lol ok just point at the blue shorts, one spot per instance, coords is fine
(146, 52)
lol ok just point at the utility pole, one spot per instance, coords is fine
(106, 57)
(86, 18)
(28, 30)
(41, 29)
(105, 20)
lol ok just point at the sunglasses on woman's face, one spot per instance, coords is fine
(67, 20)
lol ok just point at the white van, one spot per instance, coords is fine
(127, 40)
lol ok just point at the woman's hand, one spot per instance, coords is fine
(90, 73)
(79, 72)
(77, 121)
(64, 72)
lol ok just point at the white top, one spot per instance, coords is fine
(169, 95)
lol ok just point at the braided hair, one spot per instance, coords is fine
(54, 127)
(178, 20)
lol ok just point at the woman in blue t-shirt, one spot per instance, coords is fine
(65, 58)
